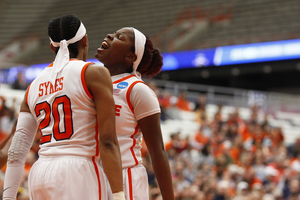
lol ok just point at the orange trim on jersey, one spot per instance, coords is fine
(97, 138)
(83, 80)
(130, 184)
(123, 79)
(128, 94)
(98, 177)
(134, 142)
(27, 91)
(51, 65)
(137, 126)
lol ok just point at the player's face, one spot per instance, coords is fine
(115, 47)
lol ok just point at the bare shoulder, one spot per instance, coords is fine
(96, 71)
(97, 77)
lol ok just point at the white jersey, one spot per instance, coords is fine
(59, 112)
(132, 102)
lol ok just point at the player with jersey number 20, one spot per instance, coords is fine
(71, 104)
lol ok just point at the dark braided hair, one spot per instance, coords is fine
(152, 60)
(65, 27)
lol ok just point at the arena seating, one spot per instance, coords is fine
(233, 22)
(187, 126)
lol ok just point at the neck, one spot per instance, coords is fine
(81, 57)
(82, 54)
(117, 70)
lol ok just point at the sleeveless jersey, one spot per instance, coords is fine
(127, 129)
(65, 112)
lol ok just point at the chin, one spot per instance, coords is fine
(96, 56)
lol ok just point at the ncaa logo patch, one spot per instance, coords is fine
(122, 85)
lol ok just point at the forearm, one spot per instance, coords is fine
(162, 172)
(17, 153)
(111, 162)
(150, 127)
(12, 180)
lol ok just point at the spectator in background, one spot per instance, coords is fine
(200, 109)
(201, 103)
(20, 83)
(222, 190)
(268, 196)
(164, 99)
(182, 102)
(242, 191)
(259, 164)
(294, 148)
(7, 118)
(176, 143)
(173, 112)
(294, 189)
(254, 196)
(164, 103)
(4, 145)
(200, 139)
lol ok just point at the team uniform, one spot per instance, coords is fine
(134, 100)
(68, 165)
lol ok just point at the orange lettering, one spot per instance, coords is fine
(41, 90)
(46, 86)
(61, 83)
(51, 88)
(56, 85)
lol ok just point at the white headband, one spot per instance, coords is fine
(62, 57)
(139, 42)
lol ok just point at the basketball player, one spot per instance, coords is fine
(128, 55)
(71, 103)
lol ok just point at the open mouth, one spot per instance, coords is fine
(104, 45)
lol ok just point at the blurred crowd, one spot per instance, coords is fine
(226, 159)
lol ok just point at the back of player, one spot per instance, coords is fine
(71, 104)
(68, 140)
(58, 109)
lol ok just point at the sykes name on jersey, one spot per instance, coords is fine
(48, 88)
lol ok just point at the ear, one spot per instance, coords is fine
(84, 41)
(131, 57)
(52, 47)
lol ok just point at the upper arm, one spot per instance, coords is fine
(24, 106)
(147, 112)
(99, 84)
(152, 134)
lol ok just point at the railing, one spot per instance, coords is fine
(268, 101)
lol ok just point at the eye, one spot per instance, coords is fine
(119, 35)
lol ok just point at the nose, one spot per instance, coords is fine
(110, 36)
